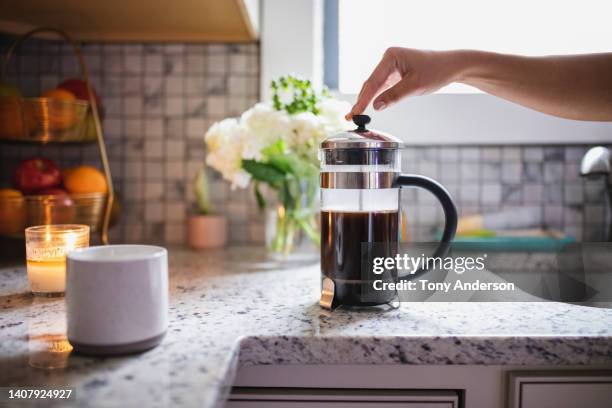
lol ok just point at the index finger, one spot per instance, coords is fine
(372, 86)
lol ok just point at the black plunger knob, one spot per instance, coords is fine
(361, 121)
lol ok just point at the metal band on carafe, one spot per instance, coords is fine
(346, 180)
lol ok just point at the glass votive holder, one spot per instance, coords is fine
(46, 250)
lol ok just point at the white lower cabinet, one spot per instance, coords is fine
(549, 389)
(340, 398)
(414, 386)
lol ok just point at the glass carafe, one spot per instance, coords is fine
(360, 212)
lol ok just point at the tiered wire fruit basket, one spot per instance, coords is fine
(50, 121)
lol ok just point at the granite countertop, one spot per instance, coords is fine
(232, 307)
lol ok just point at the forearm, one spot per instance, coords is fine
(574, 87)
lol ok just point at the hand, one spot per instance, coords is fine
(404, 72)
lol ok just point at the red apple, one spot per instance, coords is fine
(33, 175)
(59, 206)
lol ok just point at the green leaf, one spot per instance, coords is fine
(264, 172)
(278, 147)
(261, 201)
(201, 192)
(290, 163)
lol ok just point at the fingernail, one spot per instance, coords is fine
(379, 105)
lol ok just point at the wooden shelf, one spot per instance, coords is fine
(137, 20)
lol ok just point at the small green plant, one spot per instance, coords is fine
(302, 95)
(200, 186)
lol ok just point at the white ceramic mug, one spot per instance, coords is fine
(117, 298)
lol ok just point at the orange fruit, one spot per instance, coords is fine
(61, 116)
(11, 125)
(12, 212)
(59, 93)
(10, 193)
(85, 179)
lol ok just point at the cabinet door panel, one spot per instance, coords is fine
(566, 395)
(263, 397)
(569, 389)
(333, 404)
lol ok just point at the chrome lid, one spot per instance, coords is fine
(361, 138)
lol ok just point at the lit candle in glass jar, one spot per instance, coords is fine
(46, 249)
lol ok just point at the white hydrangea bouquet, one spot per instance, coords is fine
(276, 144)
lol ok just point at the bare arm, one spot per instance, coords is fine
(574, 87)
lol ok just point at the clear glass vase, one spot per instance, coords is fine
(292, 231)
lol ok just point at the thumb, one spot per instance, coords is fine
(402, 89)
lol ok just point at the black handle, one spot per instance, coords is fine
(448, 205)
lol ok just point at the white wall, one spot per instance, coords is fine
(291, 41)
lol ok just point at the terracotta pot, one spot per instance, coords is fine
(207, 231)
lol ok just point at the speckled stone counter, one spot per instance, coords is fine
(232, 307)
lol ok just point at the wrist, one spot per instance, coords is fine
(466, 64)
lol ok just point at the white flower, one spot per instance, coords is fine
(264, 125)
(306, 127)
(332, 111)
(224, 151)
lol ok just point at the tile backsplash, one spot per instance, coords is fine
(160, 99)
(491, 179)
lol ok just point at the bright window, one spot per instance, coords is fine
(530, 27)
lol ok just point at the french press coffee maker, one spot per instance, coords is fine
(360, 211)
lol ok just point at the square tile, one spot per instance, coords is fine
(195, 63)
(175, 233)
(175, 149)
(238, 63)
(217, 64)
(553, 172)
(533, 154)
(154, 128)
(175, 170)
(195, 85)
(153, 64)
(574, 193)
(511, 172)
(175, 106)
(195, 128)
(533, 193)
(470, 154)
(153, 191)
(176, 211)
(491, 194)
(153, 171)
(470, 171)
(133, 106)
(491, 154)
(133, 128)
(154, 149)
(133, 63)
(154, 212)
(490, 171)
(470, 194)
(512, 194)
(429, 169)
(553, 216)
(132, 85)
(174, 85)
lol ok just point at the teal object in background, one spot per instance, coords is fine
(513, 244)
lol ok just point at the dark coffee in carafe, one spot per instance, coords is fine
(349, 240)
